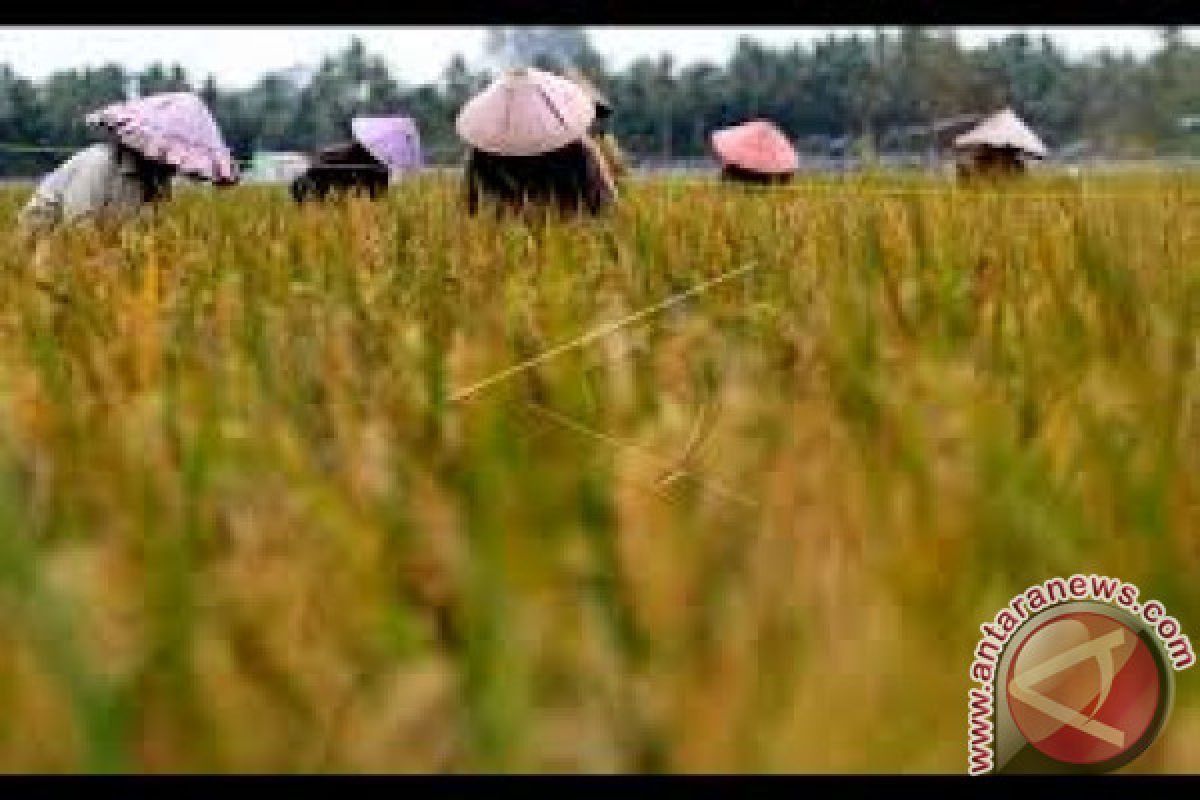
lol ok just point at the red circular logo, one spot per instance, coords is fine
(1083, 688)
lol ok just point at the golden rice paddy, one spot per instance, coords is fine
(255, 517)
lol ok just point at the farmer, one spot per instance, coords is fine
(150, 140)
(754, 152)
(380, 148)
(343, 167)
(529, 146)
(999, 147)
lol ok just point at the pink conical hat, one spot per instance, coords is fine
(392, 140)
(175, 128)
(757, 146)
(525, 113)
(1003, 129)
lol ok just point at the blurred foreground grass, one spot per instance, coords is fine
(244, 525)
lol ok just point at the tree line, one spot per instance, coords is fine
(849, 88)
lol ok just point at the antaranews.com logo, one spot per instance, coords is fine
(1075, 675)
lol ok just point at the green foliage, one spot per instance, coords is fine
(839, 86)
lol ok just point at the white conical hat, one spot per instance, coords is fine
(525, 113)
(1003, 129)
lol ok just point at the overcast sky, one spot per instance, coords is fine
(239, 56)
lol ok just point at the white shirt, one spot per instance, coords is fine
(96, 180)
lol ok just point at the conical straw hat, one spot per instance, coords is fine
(392, 140)
(173, 128)
(757, 146)
(526, 112)
(1003, 129)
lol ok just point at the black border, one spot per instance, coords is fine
(705, 785)
(1000, 13)
(600, 786)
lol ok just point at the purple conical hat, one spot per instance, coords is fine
(393, 140)
(174, 128)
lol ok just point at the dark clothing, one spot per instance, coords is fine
(991, 163)
(739, 175)
(155, 175)
(341, 168)
(600, 124)
(572, 178)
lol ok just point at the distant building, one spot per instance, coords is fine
(1079, 150)
(934, 141)
(821, 146)
(1190, 123)
(275, 167)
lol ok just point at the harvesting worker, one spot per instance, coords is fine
(529, 146)
(998, 147)
(380, 147)
(148, 141)
(754, 152)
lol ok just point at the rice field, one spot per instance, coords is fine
(262, 510)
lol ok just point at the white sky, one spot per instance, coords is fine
(239, 56)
